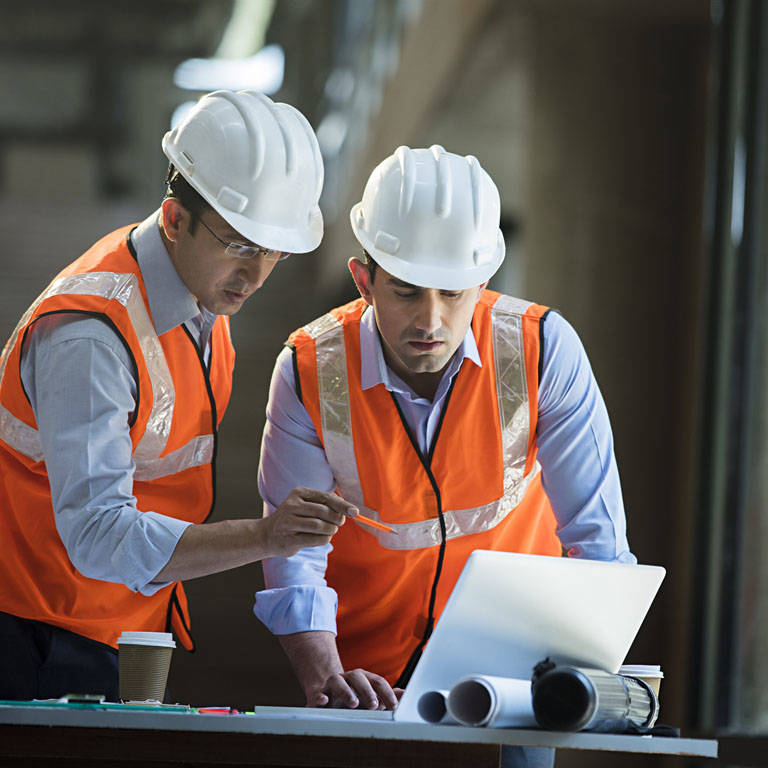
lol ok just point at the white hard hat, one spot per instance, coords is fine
(431, 218)
(257, 163)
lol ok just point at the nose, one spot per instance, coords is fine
(256, 271)
(429, 315)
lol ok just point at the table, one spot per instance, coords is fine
(121, 736)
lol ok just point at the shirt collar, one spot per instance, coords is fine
(374, 369)
(170, 301)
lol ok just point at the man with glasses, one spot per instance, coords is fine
(112, 387)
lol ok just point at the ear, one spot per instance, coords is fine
(172, 218)
(362, 278)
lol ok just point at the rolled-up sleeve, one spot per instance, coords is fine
(306, 604)
(297, 597)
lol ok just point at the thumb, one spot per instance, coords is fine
(319, 700)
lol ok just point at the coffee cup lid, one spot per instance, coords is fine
(163, 639)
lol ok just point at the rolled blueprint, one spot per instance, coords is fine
(498, 702)
(433, 707)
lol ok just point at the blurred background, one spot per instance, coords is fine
(627, 138)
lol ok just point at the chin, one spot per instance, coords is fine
(427, 366)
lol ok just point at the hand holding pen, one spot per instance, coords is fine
(309, 518)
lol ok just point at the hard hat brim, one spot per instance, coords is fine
(430, 275)
(275, 238)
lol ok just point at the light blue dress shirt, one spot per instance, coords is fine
(575, 450)
(81, 383)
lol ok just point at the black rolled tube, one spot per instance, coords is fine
(567, 698)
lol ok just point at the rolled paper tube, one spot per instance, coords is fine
(433, 707)
(497, 702)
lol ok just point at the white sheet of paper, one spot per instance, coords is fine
(322, 713)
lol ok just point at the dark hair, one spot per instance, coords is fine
(370, 263)
(177, 186)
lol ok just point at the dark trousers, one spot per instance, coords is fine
(40, 661)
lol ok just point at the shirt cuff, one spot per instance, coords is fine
(304, 608)
(162, 535)
(598, 551)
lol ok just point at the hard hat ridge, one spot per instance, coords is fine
(477, 190)
(311, 141)
(408, 179)
(444, 186)
(431, 218)
(255, 136)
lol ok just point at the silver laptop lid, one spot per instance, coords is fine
(509, 611)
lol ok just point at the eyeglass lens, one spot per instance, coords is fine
(250, 252)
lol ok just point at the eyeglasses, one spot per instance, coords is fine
(242, 251)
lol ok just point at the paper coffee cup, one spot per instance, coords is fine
(144, 659)
(648, 673)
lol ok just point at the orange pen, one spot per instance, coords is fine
(374, 524)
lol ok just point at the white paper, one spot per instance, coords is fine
(497, 702)
(321, 713)
(433, 707)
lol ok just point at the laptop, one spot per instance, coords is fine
(509, 611)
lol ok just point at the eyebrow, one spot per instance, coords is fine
(402, 284)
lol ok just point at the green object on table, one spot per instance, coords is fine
(57, 703)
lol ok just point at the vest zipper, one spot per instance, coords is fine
(214, 428)
(173, 602)
(426, 462)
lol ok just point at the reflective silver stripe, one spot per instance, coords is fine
(20, 436)
(511, 386)
(461, 522)
(512, 390)
(333, 389)
(321, 325)
(125, 289)
(196, 453)
(511, 305)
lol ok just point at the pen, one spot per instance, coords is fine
(374, 523)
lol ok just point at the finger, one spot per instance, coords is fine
(383, 691)
(309, 518)
(319, 699)
(358, 680)
(311, 526)
(399, 692)
(311, 510)
(339, 694)
(332, 500)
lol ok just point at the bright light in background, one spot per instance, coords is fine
(262, 72)
(331, 133)
(241, 60)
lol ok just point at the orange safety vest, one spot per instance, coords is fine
(173, 432)
(479, 487)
